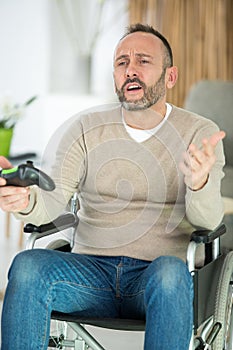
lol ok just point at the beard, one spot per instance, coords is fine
(152, 94)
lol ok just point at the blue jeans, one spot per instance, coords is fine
(43, 280)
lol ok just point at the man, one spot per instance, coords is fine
(143, 172)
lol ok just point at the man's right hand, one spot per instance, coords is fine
(12, 198)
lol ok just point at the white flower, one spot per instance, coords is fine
(11, 112)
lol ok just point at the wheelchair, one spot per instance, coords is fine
(213, 292)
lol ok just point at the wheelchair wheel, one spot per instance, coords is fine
(58, 332)
(224, 306)
(59, 244)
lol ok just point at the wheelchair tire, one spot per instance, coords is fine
(224, 306)
(59, 244)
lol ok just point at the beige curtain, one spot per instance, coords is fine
(200, 33)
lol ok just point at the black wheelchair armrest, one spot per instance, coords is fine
(208, 236)
(64, 221)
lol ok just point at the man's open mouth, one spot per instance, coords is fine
(133, 87)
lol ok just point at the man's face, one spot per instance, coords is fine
(138, 71)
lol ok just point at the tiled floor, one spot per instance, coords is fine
(112, 340)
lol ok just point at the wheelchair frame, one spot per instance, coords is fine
(213, 307)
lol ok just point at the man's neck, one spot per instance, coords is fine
(144, 119)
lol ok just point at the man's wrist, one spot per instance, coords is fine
(199, 186)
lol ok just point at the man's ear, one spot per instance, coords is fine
(171, 77)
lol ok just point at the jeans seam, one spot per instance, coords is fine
(47, 317)
(118, 271)
(82, 285)
(134, 294)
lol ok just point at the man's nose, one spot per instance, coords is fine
(131, 70)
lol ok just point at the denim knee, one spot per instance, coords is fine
(169, 304)
(27, 265)
(169, 274)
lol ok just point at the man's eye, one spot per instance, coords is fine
(143, 61)
(122, 63)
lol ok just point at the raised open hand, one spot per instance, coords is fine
(197, 162)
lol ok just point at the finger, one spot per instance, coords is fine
(187, 158)
(210, 144)
(2, 181)
(16, 200)
(184, 169)
(216, 137)
(9, 200)
(4, 163)
(191, 161)
(16, 205)
(13, 191)
(196, 153)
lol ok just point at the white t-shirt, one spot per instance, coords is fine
(142, 135)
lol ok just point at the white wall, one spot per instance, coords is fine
(71, 30)
(24, 60)
(37, 58)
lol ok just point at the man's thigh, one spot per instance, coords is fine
(65, 282)
(84, 288)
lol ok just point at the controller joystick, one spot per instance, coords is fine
(27, 175)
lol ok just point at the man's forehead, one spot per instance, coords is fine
(139, 42)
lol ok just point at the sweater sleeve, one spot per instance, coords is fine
(67, 173)
(204, 208)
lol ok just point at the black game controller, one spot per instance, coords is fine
(26, 175)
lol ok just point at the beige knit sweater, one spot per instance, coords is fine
(132, 196)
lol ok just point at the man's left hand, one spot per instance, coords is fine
(197, 162)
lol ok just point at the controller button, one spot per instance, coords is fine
(30, 163)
